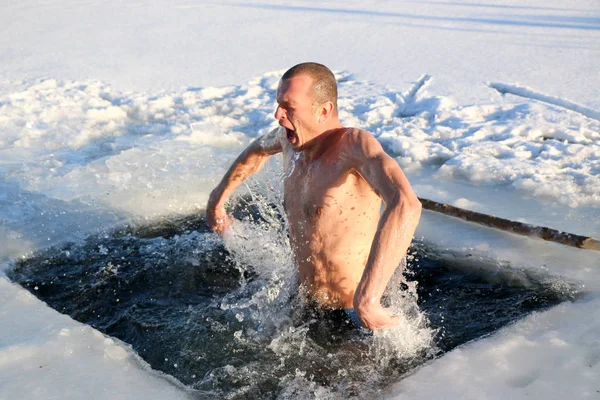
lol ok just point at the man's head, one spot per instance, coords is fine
(307, 97)
(324, 86)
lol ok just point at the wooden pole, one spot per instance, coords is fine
(542, 232)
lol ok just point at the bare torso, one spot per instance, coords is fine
(335, 180)
(333, 215)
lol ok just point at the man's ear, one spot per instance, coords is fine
(325, 111)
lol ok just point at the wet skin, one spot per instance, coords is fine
(333, 215)
(335, 181)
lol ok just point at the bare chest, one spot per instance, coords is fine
(321, 189)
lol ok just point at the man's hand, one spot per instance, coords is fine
(374, 316)
(216, 217)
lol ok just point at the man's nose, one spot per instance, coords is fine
(279, 113)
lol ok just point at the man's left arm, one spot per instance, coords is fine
(394, 233)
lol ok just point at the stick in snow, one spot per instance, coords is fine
(531, 94)
(406, 99)
(409, 97)
(542, 232)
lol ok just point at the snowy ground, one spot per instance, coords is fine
(112, 111)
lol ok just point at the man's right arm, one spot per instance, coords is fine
(249, 162)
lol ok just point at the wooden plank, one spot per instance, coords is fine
(542, 232)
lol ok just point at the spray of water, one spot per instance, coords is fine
(271, 305)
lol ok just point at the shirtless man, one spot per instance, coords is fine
(346, 250)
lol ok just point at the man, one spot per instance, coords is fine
(335, 180)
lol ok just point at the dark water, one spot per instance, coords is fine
(226, 329)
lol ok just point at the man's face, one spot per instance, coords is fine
(295, 111)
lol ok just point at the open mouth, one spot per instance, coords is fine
(291, 136)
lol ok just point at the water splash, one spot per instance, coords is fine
(275, 306)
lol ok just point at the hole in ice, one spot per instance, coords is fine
(191, 309)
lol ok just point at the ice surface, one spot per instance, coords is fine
(116, 111)
(141, 45)
(552, 355)
(46, 355)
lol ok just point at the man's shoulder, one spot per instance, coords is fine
(273, 142)
(361, 145)
(358, 138)
(359, 135)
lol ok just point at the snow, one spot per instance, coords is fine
(526, 92)
(47, 355)
(533, 359)
(112, 111)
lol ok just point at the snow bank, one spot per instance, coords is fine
(47, 355)
(118, 148)
(534, 358)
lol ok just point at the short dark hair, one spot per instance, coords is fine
(324, 85)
